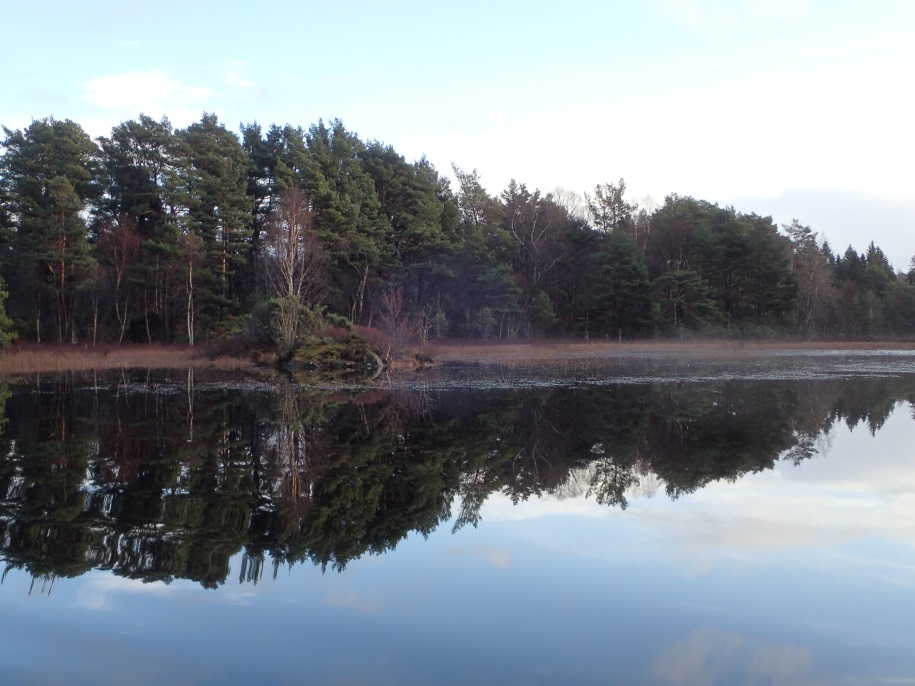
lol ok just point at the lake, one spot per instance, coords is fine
(641, 519)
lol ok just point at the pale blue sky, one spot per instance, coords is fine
(795, 109)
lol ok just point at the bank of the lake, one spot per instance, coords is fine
(508, 352)
(49, 358)
(31, 358)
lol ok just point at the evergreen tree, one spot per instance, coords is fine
(143, 167)
(7, 335)
(609, 210)
(348, 217)
(771, 286)
(623, 290)
(49, 175)
(216, 179)
(410, 202)
(156, 234)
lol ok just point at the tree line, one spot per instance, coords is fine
(163, 234)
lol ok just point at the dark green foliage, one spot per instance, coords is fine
(215, 182)
(348, 217)
(7, 335)
(716, 269)
(159, 234)
(685, 301)
(543, 317)
(137, 158)
(622, 293)
(49, 173)
(420, 221)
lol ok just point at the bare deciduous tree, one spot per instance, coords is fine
(119, 248)
(396, 323)
(810, 267)
(291, 259)
(574, 203)
(192, 256)
(429, 324)
(292, 262)
(532, 221)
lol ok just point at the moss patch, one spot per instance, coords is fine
(352, 356)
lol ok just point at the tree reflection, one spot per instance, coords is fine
(158, 479)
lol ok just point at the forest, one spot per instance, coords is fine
(183, 235)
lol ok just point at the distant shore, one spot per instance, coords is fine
(530, 351)
(30, 358)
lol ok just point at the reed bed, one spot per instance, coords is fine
(533, 351)
(32, 358)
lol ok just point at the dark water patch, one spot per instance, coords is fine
(649, 368)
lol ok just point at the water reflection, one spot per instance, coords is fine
(715, 657)
(164, 478)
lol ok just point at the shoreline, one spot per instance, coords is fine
(33, 358)
(509, 352)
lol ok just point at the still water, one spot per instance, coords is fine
(638, 521)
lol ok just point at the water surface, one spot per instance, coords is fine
(643, 520)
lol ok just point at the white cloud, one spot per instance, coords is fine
(98, 591)
(149, 91)
(156, 92)
(845, 130)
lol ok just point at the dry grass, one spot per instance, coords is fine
(46, 358)
(32, 358)
(521, 352)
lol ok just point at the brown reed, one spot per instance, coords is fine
(30, 358)
(539, 350)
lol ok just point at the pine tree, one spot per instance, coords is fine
(49, 173)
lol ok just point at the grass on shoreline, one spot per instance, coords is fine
(34, 358)
(30, 358)
(529, 351)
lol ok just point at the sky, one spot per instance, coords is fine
(790, 108)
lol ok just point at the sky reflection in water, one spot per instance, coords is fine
(797, 575)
